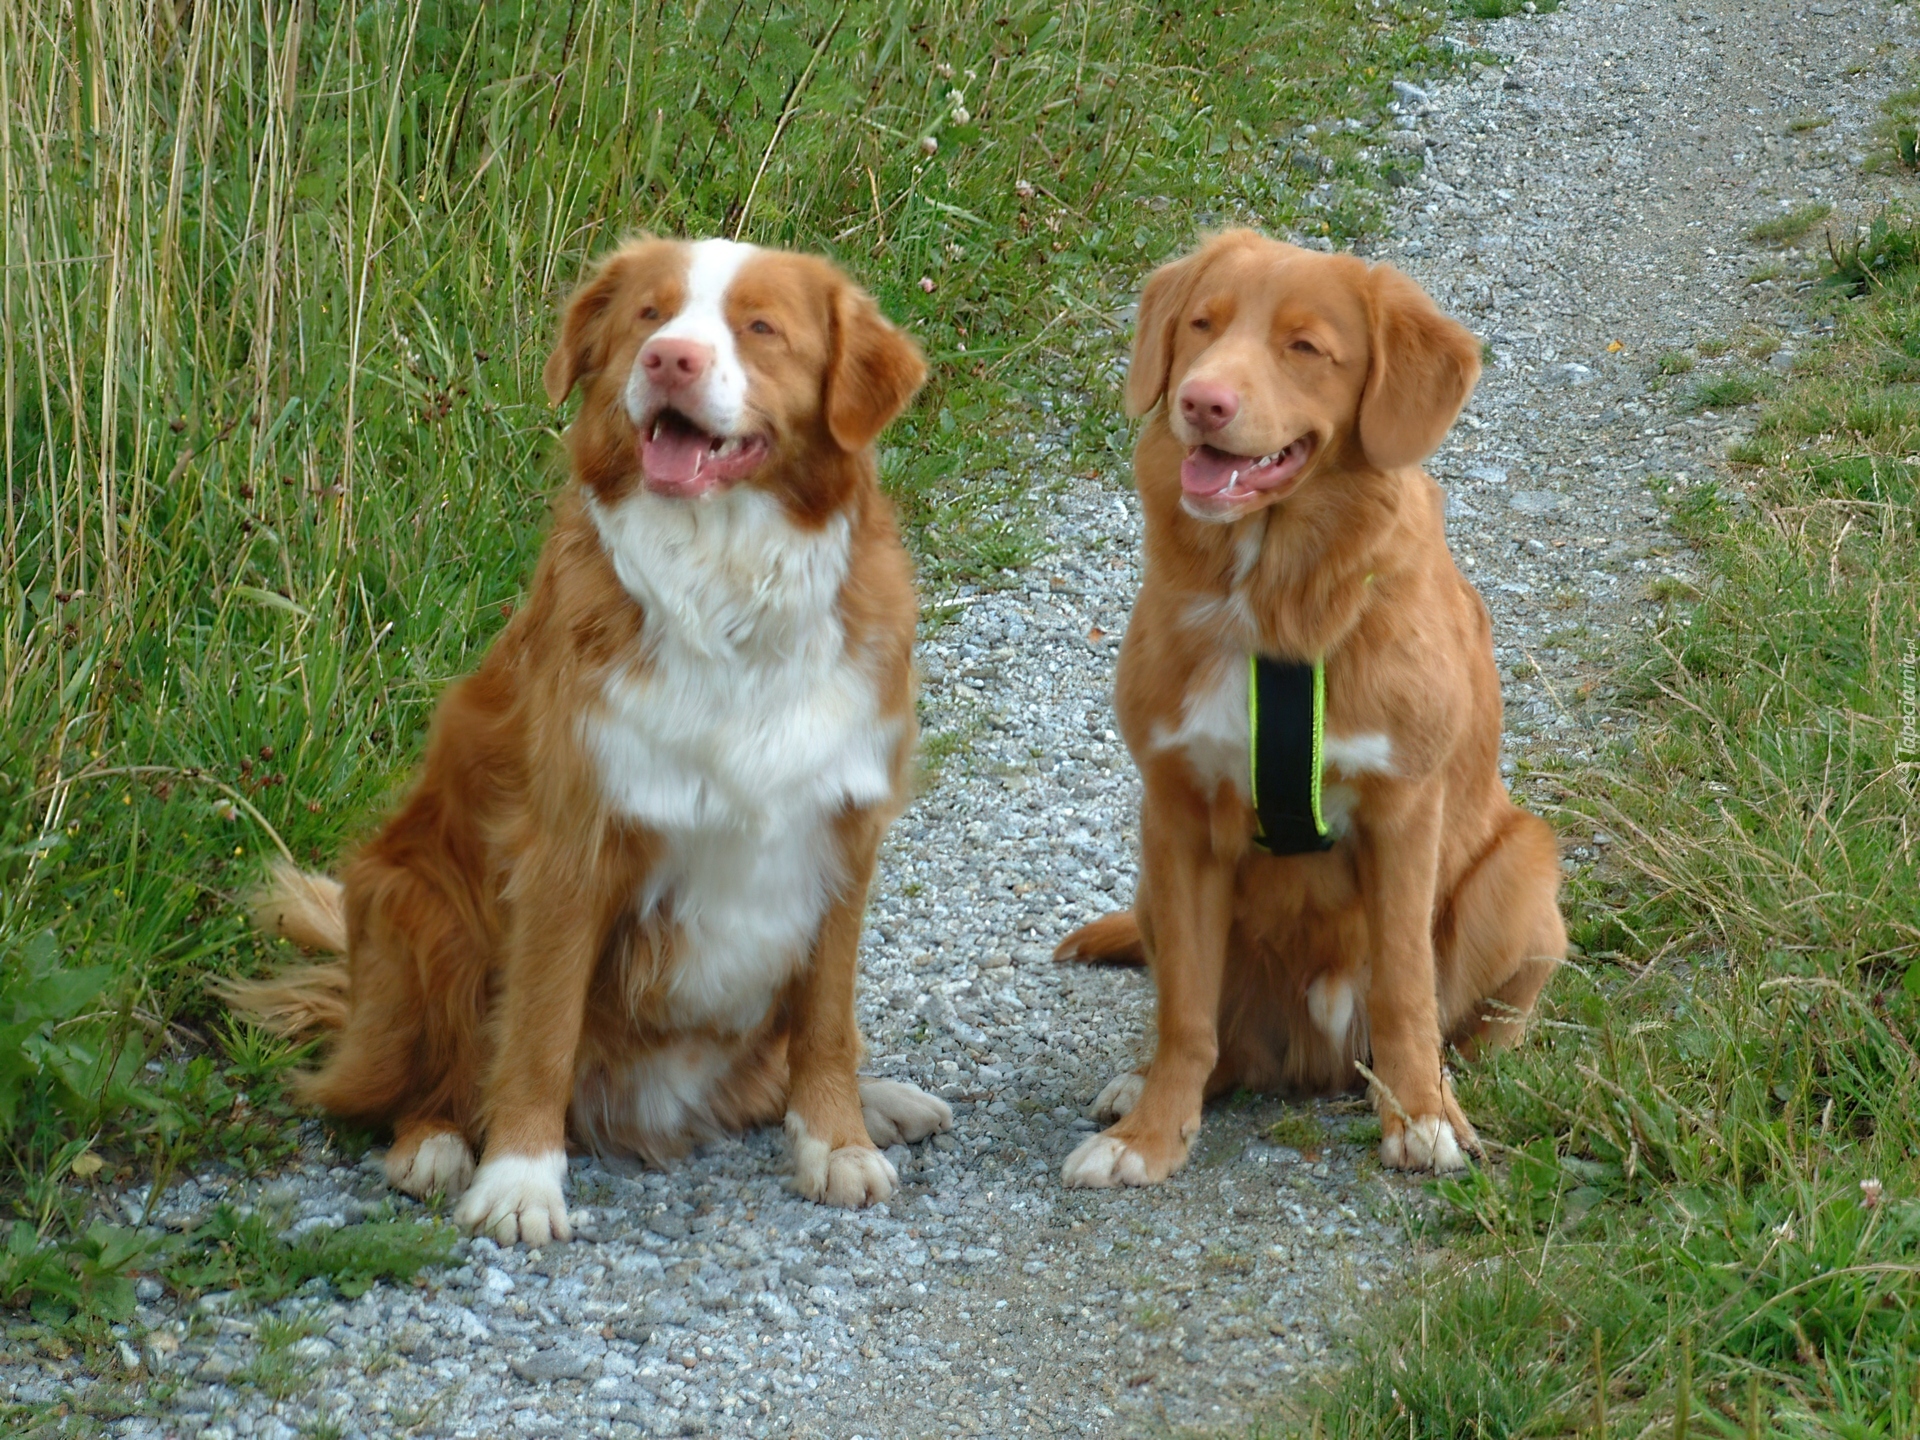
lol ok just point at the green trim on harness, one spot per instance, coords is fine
(1286, 735)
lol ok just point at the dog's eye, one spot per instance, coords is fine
(652, 312)
(1200, 322)
(761, 327)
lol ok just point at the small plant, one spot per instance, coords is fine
(1298, 1130)
(1501, 9)
(1890, 243)
(1674, 362)
(1724, 393)
(1785, 228)
(274, 1370)
(1712, 348)
(1761, 274)
(1800, 124)
(1226, 1262)
(244, 1253)
(1152, 1317)
(1666, 589)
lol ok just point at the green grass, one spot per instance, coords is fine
(1723, 392)
(1785, 228)
(1501, 9)
(1899, 130)
(1704, 1215)
(276, 285)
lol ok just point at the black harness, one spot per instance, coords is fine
(1286, 712)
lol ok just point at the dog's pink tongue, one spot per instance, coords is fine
(672, 455)
(1207, 471)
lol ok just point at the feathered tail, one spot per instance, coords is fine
(1111, 940)
(311, 911)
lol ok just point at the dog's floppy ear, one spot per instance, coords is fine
(583, 334)
(875, 370)
(1421, 369)
(1161, 303)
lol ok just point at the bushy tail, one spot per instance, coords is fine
(311, 911)
(1111, 940)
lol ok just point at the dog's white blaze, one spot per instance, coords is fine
(750, 727)
(718, 403)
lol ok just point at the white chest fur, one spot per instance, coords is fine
(1213, 733)
(748, 727)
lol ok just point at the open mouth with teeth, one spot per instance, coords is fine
(1215, 481)
(680, 459)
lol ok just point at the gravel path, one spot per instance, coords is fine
(1594, 188)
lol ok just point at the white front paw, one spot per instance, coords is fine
(1427, 1142)
(1120, 1096)
(517, 1198)
(897, 1113)
(1103, 1161)
(850, 1177)
(440, 1163)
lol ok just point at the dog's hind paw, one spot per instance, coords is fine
(439, 1163)
(897, 1113)
(1426, 1142)
(1105, 1160)
(1120, 1096)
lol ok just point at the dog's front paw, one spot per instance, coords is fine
(849, 1176)
(1426, 1142)
(436, 1163)
(517, 1198)
(897, 1113)
(1112, 1158)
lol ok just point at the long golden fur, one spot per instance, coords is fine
(522, 961)
(1433, 919)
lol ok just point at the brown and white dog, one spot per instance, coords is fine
(622, 902)
(1291, 397)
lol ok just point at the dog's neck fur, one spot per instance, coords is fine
(731, 578)
(1290, 580)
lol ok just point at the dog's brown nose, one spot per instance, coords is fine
(1207, 405)
(671, 362)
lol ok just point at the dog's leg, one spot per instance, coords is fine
(1507, 938)
(1399, 858)
(834, 1157)
(1189, 890)
(552, 943)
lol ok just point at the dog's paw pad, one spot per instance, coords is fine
(1104, 1161)
(897, 1113)
(1120, 1096)
(440, 1164)
(1425, 1143)
(517, 1198)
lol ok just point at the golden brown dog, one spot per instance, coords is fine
(624, 897)
(1291, 397)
